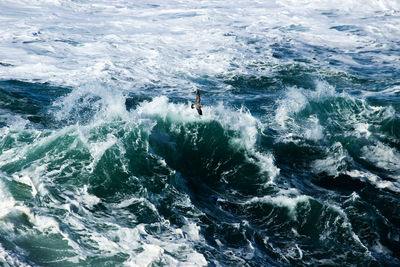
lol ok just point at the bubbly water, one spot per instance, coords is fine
(295, 161)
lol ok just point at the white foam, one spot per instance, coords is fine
(335, 163)
(14, 122)
(353, 197)
(240, 121)
(362, 129)
(192, 231)
(7, 203)
(348, 6)
(176, 40)
(383, 156)
(97, 149)
(173, 247)
(87, 199)
(186, 256)
(294, 126)
(104, 102)
(285, 199)
(296, 100)
(391, 91)
(150, 254)
(374, 180)
(314, 131)
(293, 102)
(144, 249)
(8, 259)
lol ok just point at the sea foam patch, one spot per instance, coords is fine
(383, 156)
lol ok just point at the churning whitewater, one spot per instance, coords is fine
(295, 160)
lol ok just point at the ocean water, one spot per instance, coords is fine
(295, 161)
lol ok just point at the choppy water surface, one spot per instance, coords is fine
(296, 160)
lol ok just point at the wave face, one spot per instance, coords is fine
(295, 161)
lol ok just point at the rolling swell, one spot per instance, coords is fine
(209, 184)
(125, 169)
(334, 136)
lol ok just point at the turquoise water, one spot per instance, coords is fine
(295, 161)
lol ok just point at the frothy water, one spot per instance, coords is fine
(295, 161)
